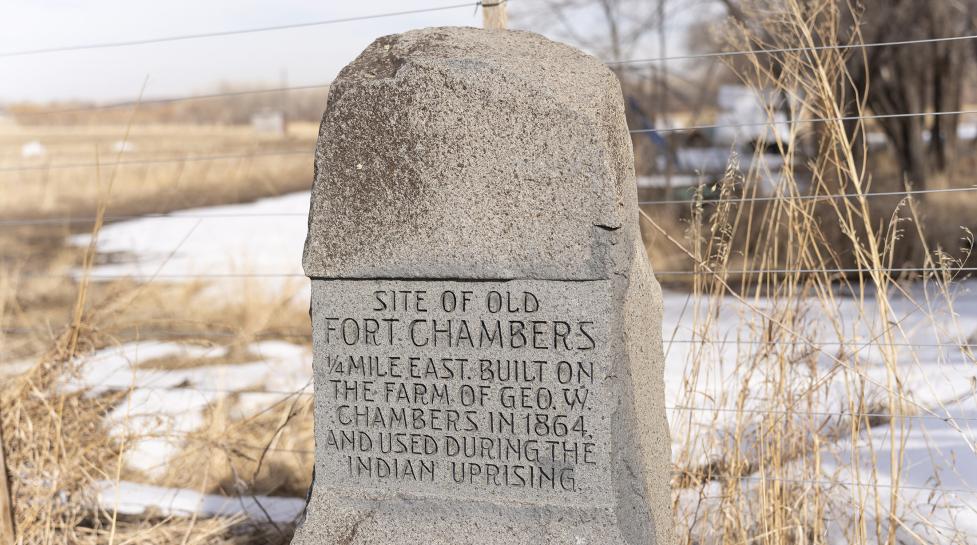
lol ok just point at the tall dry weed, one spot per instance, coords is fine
(811, 283)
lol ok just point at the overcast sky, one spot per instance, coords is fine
(310, 55)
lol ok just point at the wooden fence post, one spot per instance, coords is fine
(494, 14)
(6, 504)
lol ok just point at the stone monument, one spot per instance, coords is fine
(486, 328)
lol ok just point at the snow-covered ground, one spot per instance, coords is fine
(163, 405)
(240, 244)
(128, 498)
(931, 338)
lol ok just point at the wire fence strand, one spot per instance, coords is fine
(162, 160)
(303, 215)
(169, 334)
(775, 122)
(171, 100)
(733, 272)
(309, 150)
(772, 51)
(691, 128)
(840, 415)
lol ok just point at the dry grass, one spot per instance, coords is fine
(774, 428)
(269, 453)
(750, 463)
(57, 442)
(46, 190)
(232, 105)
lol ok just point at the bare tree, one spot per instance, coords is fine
(624, 30)
(899, 79)
(611, 29)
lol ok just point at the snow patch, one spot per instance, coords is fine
(129, 498)
(163, 405)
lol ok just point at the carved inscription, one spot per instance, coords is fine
(468, 388)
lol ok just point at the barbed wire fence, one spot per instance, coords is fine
(664, 274)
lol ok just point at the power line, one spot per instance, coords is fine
(715, 54)
(183, 37)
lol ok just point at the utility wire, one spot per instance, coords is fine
(183, 37)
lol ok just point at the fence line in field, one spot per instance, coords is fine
(168, 334)
(171, 100)
(674, 473)
(306, 392)
(180, 215)
(728, 272)
(840, 47)
(772, 122)
(793, 198)
(692, 128)
(163, 160)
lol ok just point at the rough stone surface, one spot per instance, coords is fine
(487, 331)
(427, 133)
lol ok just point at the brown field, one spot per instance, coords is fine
(83, 167)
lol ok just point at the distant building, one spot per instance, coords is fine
(34, 148)
(270, 122)
(123, 146)
(5, 117)
(745, 117)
